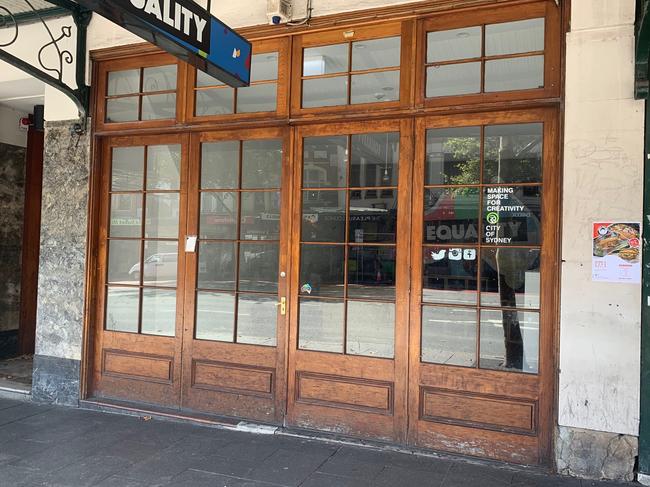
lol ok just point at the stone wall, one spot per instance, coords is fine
(61, 278)
(12, 195)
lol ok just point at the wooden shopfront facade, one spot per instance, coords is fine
(363, 242)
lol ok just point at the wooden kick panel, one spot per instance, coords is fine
(226, 377)
(344, 392)
(138, 366)
(473, 410)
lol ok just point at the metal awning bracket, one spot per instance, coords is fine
(52, 67)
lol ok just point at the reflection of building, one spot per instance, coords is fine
(352, 179)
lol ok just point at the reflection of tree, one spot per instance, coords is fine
(514, 158)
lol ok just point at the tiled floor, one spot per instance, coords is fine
(62, 447)
(16, 373)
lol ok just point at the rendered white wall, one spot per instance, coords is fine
(9, 131)
(603, 181)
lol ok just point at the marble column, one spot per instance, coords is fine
(60, 315)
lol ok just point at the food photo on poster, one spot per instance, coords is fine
(616, 252)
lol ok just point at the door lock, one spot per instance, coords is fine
(283, 305)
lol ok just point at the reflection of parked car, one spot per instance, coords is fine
(159, 265)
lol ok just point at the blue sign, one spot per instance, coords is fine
(185, 30)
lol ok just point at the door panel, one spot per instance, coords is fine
(484, 259)
(142, 214)
(349, 300)
(235, 335)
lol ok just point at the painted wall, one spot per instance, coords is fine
(603, 181)
(9, 131)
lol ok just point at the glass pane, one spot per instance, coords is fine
(371, 272)
(262, 164)
(258, 267)
(449, 275)
(126, 215)
(375, 159)
(256, 319)
(159, 78)
(510, 278)
(510, 341)
(453, 156)
(122, 109)
(451, 215)
(373, 218)
(324, 162)
(514, 37)
(260, 215)
(162, 216)
(124, 261)
(122, 307)
(375, 87)
(513, 153)
(453, 79)
(325, 92)
(376, 53)
(264, 66)
(215, 316)
(257, 98)
(123, 82)
(215, 102)
(371, 329)
(513, 215)
(158, 312)
(220, 165)
(218, 218)
(127, 168)
(160, 263)
(323, 216)
(449, 336)
(321, 270)
(325, 59)
(155, 107)
(217, 265)
(514, 74)
(448, 45)
(204, 79)
(321, 325)
(163, 167)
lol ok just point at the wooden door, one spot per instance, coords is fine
(348, 344)
(484, 283)
(141, 269)
(234, 352)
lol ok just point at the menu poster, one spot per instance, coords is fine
(616, 252)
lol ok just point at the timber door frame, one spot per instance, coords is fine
(253, 373)
(384, 379)
(526, 394)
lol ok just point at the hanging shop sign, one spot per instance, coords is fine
(616, 252)
(185, 30)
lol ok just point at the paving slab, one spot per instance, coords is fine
(43, 446)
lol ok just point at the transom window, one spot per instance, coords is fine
(141, 94)
(364, 71)
(485, 58)
(216, 98)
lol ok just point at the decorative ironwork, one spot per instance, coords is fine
(51, 57)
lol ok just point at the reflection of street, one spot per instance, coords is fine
(449, 337)
(158, 311)
(370, 327)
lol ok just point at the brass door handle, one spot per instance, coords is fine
(283, 305)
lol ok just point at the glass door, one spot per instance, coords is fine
(484, 259)
(347, 349)
(141, 272)
(234, 358)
